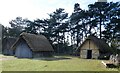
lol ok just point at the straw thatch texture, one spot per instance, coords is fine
(35, 42)
(101, 44)
(94, 47)
(6, 45)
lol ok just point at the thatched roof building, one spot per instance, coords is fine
(94, 47)
(31, 45)
(7, 42)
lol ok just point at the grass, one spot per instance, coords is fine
(60, 64)
(0, 63)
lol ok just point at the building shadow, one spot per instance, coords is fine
(52, 58)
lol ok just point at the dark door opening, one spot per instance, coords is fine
(89, 54)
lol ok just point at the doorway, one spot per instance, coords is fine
(89, 54)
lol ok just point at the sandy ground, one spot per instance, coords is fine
(2, 59)
(6, 58)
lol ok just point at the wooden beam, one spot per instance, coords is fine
(104, 63)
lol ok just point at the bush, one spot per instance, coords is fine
(104, 57)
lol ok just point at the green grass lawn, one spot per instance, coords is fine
(62, 64)
(0, 63)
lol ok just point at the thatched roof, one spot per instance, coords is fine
(8, 41)
(101, 44)
(35, 42)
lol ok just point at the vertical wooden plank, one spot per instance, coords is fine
(23, 51)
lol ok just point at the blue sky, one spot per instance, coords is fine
(33, 9)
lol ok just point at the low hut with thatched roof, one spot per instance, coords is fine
(31, 45)
(95, 48)
(7, 42)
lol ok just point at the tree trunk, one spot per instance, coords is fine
(77, 37)
(100, 23)
(58, 44)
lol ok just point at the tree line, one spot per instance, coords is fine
(66, 33)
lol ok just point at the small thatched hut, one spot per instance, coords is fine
(31, 45)
(7, 42)
(94, 47)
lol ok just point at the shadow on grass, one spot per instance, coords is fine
(112, 66)
(52, 58)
